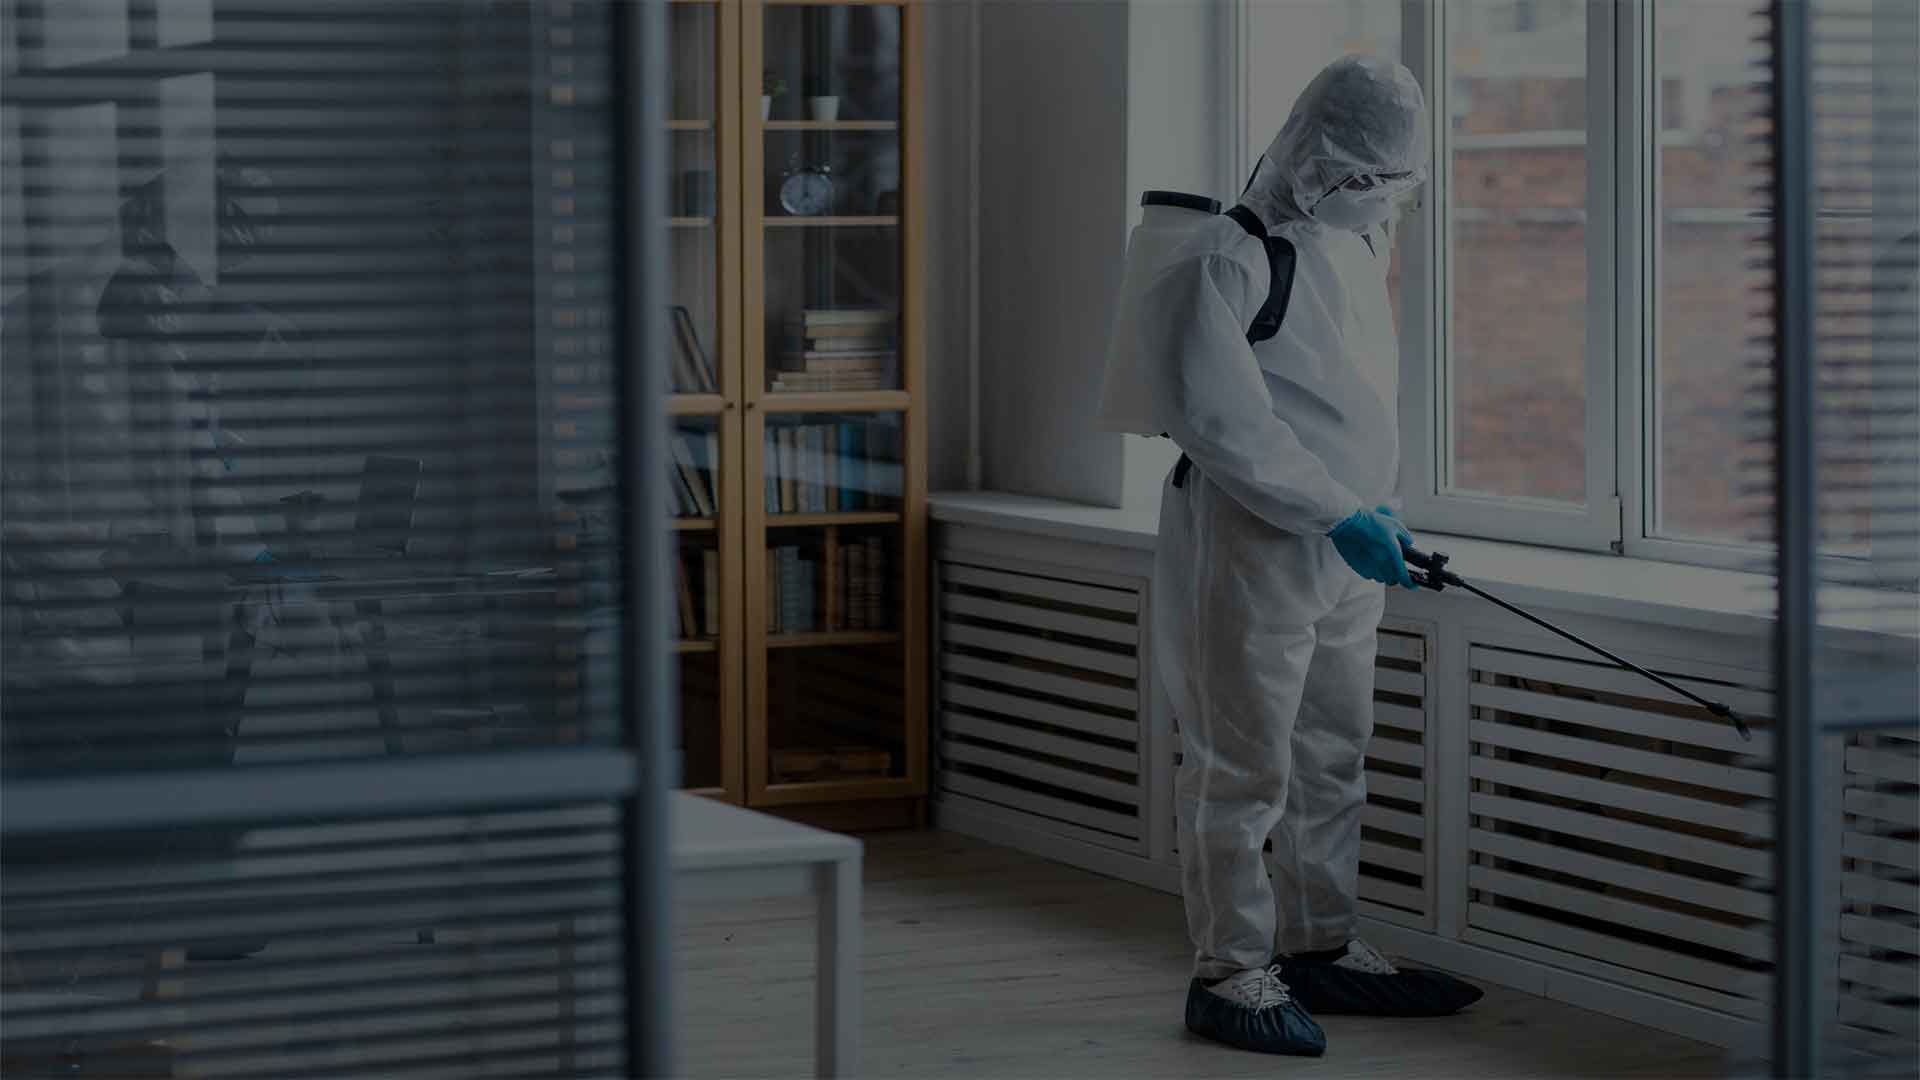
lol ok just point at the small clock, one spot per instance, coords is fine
(807, 192)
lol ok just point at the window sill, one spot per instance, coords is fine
(1670, 594)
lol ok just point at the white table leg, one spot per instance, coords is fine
(836, 1037)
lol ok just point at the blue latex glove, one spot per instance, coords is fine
(1370, 541)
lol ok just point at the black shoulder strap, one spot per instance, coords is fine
(1280, 260)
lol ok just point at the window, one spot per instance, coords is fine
(1576, 295)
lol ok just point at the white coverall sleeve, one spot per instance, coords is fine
(1214, 402)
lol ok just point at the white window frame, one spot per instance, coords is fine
(1426, 318)
(1623, 276)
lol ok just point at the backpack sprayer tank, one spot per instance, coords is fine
(1168, 217)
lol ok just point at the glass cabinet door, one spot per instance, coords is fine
(702, 364)
(830, 660)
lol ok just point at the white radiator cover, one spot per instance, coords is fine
(1535, 819)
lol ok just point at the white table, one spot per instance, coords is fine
(722, 852)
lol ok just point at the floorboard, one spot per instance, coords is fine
(984, 961)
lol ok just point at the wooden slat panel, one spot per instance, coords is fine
(1116, 600)
(1714, 735)
(1754, 862)
(1611, 950)
(1398, 752)
(1866, 1013)
(1046, 805)
(1624, 796)
(1041, 772)
(1403, 647)
(1121, 697)
(1884, 806)
(1869, 889)
(956, 723)
(1416, 920)
(1880, 849)
(1389, 786)
(1881, 934)
(1392, 893)
(1393, 821)
(1893, 978)
(1053, 825)
(1403, 717)
(1044, 712)
(1704, 774)
(1882, 764)
(978, 607)
(1691, 890)
(1593, 676)
(1038, 648)
(1756, 945)
(1393, 858)
(1509, 940)
(1410, 683)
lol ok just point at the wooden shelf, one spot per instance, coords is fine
(796, 521)
(691, 222)
(695, 404)
(696, 645)
(689, 125)
(695, 524)
(792, 401)
(831, 125)
(833, 640)
(795, 221)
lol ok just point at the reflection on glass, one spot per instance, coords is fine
(827, 463)
(184, 22)
(832, 309)
(828, 64)
(692, 27)
(834, 714)
(1711, 221)
(695, 451)
(82, 32)
(1519, 267)
(700, 721)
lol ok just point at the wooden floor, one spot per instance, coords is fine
(986, 962)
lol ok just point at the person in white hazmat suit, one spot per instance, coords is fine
(1275, 544)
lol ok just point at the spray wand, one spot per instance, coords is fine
(1432, 573)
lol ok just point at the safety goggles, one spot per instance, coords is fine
(1371, 181)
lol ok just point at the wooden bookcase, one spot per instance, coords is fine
(799, 434)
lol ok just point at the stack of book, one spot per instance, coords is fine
(699, 608)
(696, 473)
(840, 349)
(843, 585)
(839, 468)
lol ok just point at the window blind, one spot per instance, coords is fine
(315, 553)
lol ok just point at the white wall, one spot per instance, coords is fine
(1083, 105)
(947, 67)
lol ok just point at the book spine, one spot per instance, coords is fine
(713, 467)
(830, 569)
(770, 469)
(856, 559)
(688, 624)
(793, 604)
(876, 584)
(773, 591)
(710, 567)
(830, 464)
(789, 472)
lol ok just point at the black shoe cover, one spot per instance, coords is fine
(1334, 991)
(1277, 1029)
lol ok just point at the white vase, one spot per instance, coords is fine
(766, 107)
(825, 109)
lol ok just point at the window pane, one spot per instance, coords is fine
(1712, 207)
(1518, 151)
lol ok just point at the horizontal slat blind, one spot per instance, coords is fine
(288, 507)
